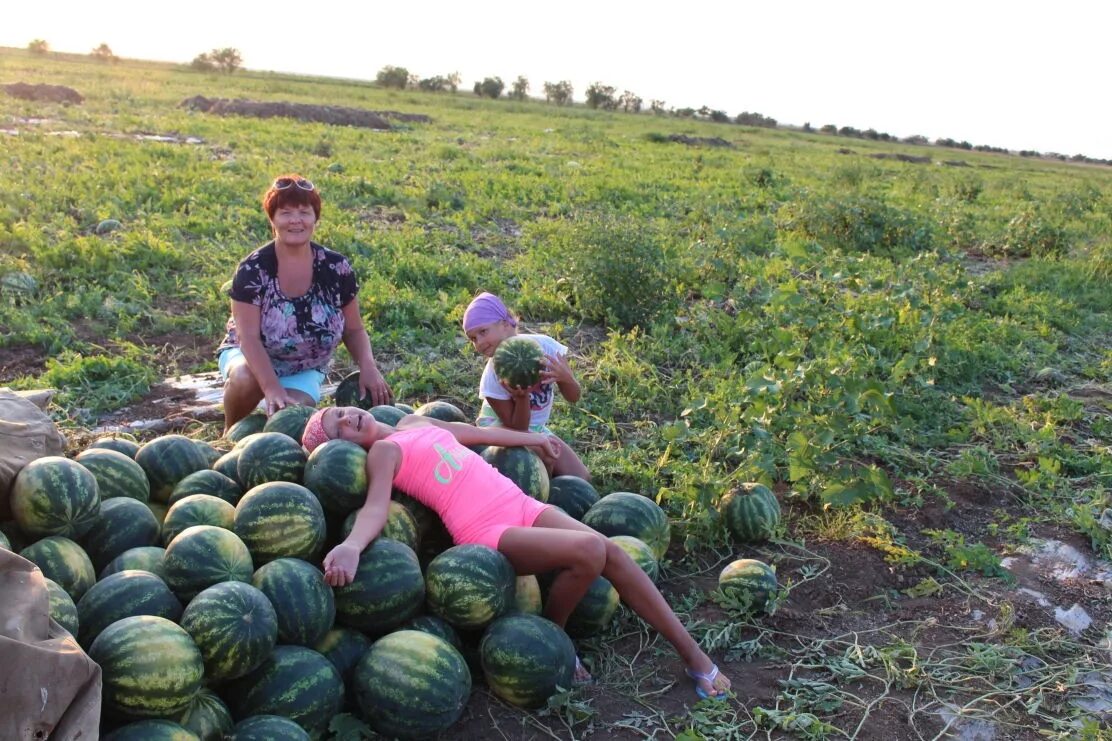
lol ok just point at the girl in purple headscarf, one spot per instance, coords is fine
(487, 322)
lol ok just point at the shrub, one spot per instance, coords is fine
(629, 102)
(601, 96)
(520, 89)
(1032, 233)
(104, 53)
(858, 224)
(558, 92)
(38, 46)
(393, 77)
(490, 87)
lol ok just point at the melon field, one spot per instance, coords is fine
(883, 371)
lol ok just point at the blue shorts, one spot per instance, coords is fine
(308, 382)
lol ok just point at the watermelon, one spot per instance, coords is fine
(437, 627)
(527, 595)
(595, 611)
(400, 525)
(268, 728)
(751, 512)
(118, 444)
(526, 659)
(64, 562)
(197, 509)
(55, 496)
(123, 524)
(572, 494)
(626, 513)
(343, 647)
(290, 421)
(302, 600)
(209, 452)
(122, 595)
(412, 684)
(521, 466)
(209, 482)
(249, 425)
(387, 414)
(347, 393)
(150, 668)
(443, 411)
(228, 465)
(470, 585)
(748, 581)
(159, 511)
(235, 627)
(518, 362)
(152, 730)
(269, 456)
(207, 717)
(62, 609)
(425, 518)
(146, 558)
(203, 555)
(640, 552)
(4, 542)
(117, 475)
(408, 409)
(336, 472)
(294, 682)
(280, 520)
(388, 588)
(167, 460)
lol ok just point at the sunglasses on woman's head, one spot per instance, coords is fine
(287, 183)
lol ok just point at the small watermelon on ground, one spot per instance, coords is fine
(269, 456)
(55, 496)
(147, 558)
(387, 590)
(122, 595)
(595, 611)
(527, 595)
(209, 482)
(249, 425)
(152, 730)
(268, 728)
(470, 585)
(228, 465)
(62, 609)
(281, 520)
(526, 658)
(167, 460)
(123, 524)
(387, 414)
(203, 555)
(521, 466)
(626, 513)
(64, 562)
(197, 509)
(442, 410)
(749, 582)
(234, 626)
(572, 494)
(294, 682)
(302, 600)
(436, 626)
(117, 475)
(347, 393)
(336, 472)
(412, 684)
(751, 511)
(107, 226)
(290, 421)
(208, 717)
(150, 668)
(640, 552)
(118, 444)
(518, 362)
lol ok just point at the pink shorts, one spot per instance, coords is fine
(487, 527)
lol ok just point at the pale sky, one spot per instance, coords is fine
(1021, 75)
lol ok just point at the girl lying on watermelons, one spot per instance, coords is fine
(428, 460)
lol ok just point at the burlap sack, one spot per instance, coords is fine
(26, 433)
(49, 688)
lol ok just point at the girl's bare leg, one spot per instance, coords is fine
(568, 464)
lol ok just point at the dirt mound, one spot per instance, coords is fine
(44, 93)
(329, 114)
(699, 141)
(901, 157)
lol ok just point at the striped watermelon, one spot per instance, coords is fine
(55, 496)
(388, 588)
(436, 626)
(425, 518)
(118, 444)
(204, 555)
(412, 685)
(640, 552)
(294, 682)
(388, 414)
(470, 585)
(62, 609)
(518, 362)
(526, 658)
(146, 558)
(572, 494)
(751, 512)
(234, 626)
(122, 595)
(167, 460)
(123, 524)
(290, 421)
(207, 717)
(249, 425)
(228, 465)
(400, 525)
(209, 452)
(748, 581)
(269, 728)
(626, 513)
(336, 472)
(343, 647)
(521, 466)
(209, 482)
(443, 411)
(347, 393)
(150, 668)
(197, 509)
(281, 520)
(64, 562)
(302, 600)
(117, 475)
(407, 408)
(269, 456)
(152, 730)
(527, 595)
(595, 611)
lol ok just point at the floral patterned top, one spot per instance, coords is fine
(297, 333)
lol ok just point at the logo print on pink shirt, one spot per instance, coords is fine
(446, 464)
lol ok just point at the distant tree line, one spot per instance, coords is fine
(226, 60)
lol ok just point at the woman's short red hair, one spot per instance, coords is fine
(275, 199)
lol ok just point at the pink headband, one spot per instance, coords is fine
(486, 308)
(314, 434)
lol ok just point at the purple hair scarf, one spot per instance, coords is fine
(486, 308)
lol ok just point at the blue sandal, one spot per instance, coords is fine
(709, 678)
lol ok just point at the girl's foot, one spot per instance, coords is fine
(709, 684)
(581, 675)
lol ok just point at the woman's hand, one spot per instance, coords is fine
(556, 370)
(340, 565)
(278, 398)
(371, 382)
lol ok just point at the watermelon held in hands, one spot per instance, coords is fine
(626, 513)
(470, 585)
(347, 393)
(525, 658)
(518, 362)
(521, 466)
(749, 582)
(55, 496)
(234, 626)
(751, 511)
